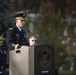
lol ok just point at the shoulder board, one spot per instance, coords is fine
(10, 29)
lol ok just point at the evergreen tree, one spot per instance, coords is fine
(5, 20)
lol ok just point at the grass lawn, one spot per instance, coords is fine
(67, 72)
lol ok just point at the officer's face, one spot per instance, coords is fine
(20, 23)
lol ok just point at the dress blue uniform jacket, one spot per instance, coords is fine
(16, 38)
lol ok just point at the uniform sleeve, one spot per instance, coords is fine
(10, 40)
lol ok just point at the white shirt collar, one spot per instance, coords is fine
(19, 28)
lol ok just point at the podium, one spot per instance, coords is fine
(32, 60)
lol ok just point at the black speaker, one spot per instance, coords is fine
(43, 59)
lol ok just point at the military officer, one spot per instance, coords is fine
(17, 37)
